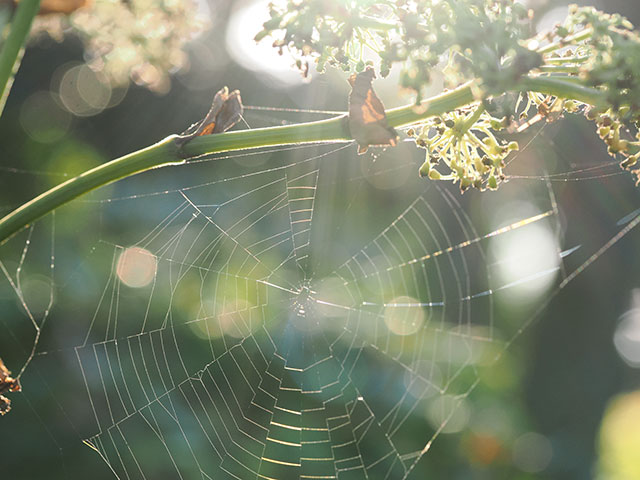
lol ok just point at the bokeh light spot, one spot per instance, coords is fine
(136, 267)
(404, 315)
(532, 452)
(627, 335)
(43, 119)
(84, 92)
(483, 449)
(527, 261)
(449, 413)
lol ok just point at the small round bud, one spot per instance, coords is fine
(591, 113)
(424, 169)
(434, 175)
(498, 124)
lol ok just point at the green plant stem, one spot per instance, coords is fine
(469, 121)
(567, 60)
(563, 87)
(11, 53)
(567, 42)
(166, 152)
(560, 69)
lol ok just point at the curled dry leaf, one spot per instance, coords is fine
(7, 384)
(64, 7)
(226, 110)
(367, 120)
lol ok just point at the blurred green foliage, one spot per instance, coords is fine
(555, 380)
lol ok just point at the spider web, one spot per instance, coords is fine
(298, 323)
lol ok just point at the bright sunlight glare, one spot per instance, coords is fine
(527, 261)
(84, 92)
(245, 22)
(627, 334)
(404, 315)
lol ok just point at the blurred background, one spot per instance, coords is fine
(562, 401)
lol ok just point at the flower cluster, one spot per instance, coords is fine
(463, 144)
(487, 42)
(608, 59)
(332, 33)
(139, 40)
(612, 56)
(618, 137)
(482, 39)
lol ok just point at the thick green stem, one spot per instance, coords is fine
(563, 87)
(11, 52)
(166, 152)
(104, 174)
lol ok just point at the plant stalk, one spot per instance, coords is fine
(167, 152)
(13, 47)
(566, 42)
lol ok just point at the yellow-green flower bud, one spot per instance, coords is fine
(434, 175)
(424, 169)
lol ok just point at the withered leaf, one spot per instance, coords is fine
(65, 7)
(7, 384)
(367, 119)
(226, 110)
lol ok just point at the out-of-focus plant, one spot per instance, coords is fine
(139, 40)
(499, 77)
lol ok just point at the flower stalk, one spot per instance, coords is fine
(166, 152)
